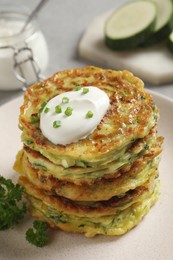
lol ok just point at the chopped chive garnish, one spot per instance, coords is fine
(65, 100)
(89, 114)
(35, 119)
(29, 142)
(47, 109)
(42, 106)
(58, 109)
(68, 111)
(85, 90)
(77, 88)
(56, 124)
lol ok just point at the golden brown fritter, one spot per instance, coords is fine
(101, 189)
(81, 220)
(90, 209)
(80, 175)
(106, 182)
(131, 115)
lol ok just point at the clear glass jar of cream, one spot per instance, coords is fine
(23, 55)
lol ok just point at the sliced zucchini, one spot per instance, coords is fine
(170, 42)
(164, 22)
(130, 25)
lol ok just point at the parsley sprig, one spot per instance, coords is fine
(38, 234)
(12, 209)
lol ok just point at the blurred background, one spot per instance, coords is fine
(63, 23)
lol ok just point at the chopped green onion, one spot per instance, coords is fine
(77, 88)
(42, 106)
(85, 90)
(56, 124)
(47, 109)
(68, 111)
(146, 147)
(81, 164)
(58, 109)
(29, 142)
(89, 114)
(65, 100)
(35, 118)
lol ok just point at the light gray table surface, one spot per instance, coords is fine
(63, 23)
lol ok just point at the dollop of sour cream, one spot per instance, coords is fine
(72, 116)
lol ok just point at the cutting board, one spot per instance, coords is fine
(153, 65)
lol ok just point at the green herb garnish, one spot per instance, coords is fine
(77, 88)
(42, 107)
(29, 142)
(12, 210)
(68, 111)
(85, 90)
(35, 118)
(65, 100)
(38, 234)
(47, 109)
(58, 109)
(89, 114)
(56, 124)
(146, 147)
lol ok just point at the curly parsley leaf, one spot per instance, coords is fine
(38, 234)
(12, 209)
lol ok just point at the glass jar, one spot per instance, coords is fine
(23, 54)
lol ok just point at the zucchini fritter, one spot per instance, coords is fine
(106, 182)
(131, 115)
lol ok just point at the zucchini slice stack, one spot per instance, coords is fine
(139, 23)
(106, 182)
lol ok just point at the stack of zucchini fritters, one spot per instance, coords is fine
(105, 183)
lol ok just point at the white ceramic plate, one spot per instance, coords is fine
(151, 239)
